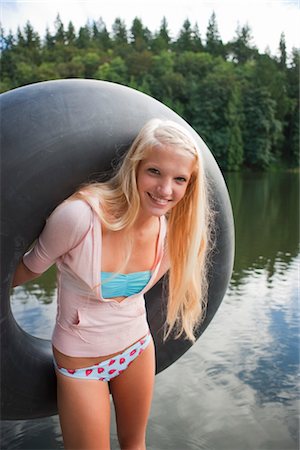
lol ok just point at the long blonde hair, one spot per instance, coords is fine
(189, 222)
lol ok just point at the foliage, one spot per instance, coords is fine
(244, 104)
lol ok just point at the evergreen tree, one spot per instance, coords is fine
(120, 39)
(162, 39)
(60, 36)
(21, 42)
(8, 61)
(49, 40)
(197, 42)
(83, 40)
(100, 35)
(32, 39)
(6, 42)
(185, 38)
(70, 34)
(214, 44)
(240, 48)
(140, 36)
(282, 50)
(119, 30)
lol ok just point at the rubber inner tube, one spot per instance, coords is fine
(54, 136)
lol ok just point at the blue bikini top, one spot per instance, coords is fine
(123, 285)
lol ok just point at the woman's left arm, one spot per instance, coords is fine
(23, 274)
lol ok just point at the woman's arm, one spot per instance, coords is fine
(23, 274)
(64, 229)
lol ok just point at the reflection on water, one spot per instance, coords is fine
(237, 387)
(34, 305)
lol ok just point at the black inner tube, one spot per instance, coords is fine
(56, 135)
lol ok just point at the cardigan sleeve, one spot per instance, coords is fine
(65, 228)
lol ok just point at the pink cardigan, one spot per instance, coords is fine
(87, 324)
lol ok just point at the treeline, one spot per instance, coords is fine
(244, 104)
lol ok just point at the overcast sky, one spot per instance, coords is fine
(266, 18)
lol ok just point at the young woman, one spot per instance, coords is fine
(111, 242)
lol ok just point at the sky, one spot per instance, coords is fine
(266, 18)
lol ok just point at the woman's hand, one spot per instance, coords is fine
(23, 274)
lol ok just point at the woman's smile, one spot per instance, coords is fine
(159, 200)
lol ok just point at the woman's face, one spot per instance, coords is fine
(162, 179)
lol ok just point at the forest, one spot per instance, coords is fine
(243, 103)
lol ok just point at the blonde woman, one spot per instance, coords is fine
(111, 242)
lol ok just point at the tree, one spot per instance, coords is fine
(140, 36)
(185, 38)
(115, 71)
(70, 34)
(100, 35)
(90, 61)
(139, 63)
(120, 39)
(60, 35)
(120, 35)
(214, 44)
(9, 61)
(20, 39)
(161, 40)
(214, 108)
(49, 40)
(235, 149)
(291, 154)
(32, 39)
(198, 46)
(83, 40)
(282, 50)
(194, 66)
(6, 42)
(261, 129)
(189, 38)
(240, 48)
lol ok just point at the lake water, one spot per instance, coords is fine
(237, 388)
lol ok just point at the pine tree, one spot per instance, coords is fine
(120, 35)
(214, 44)
(140, 36)
(70, 34)
(100, 35)
(185, 38)
(282, 50)
(241, 48)
(162, 39)
(60, 36)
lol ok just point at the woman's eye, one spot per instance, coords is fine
(181, 179)
(153, 170)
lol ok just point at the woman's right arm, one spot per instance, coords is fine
(23, 274)
(64, 229)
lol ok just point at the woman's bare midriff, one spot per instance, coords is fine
(72, 362)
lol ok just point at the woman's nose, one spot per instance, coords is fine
(165, 187)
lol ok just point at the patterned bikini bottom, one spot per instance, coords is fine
(110, 368)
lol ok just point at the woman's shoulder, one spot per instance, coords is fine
(72, 214)
(74, 206)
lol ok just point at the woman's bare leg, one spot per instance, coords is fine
(84, 412)
(132, 393)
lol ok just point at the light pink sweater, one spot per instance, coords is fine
(87, 324)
